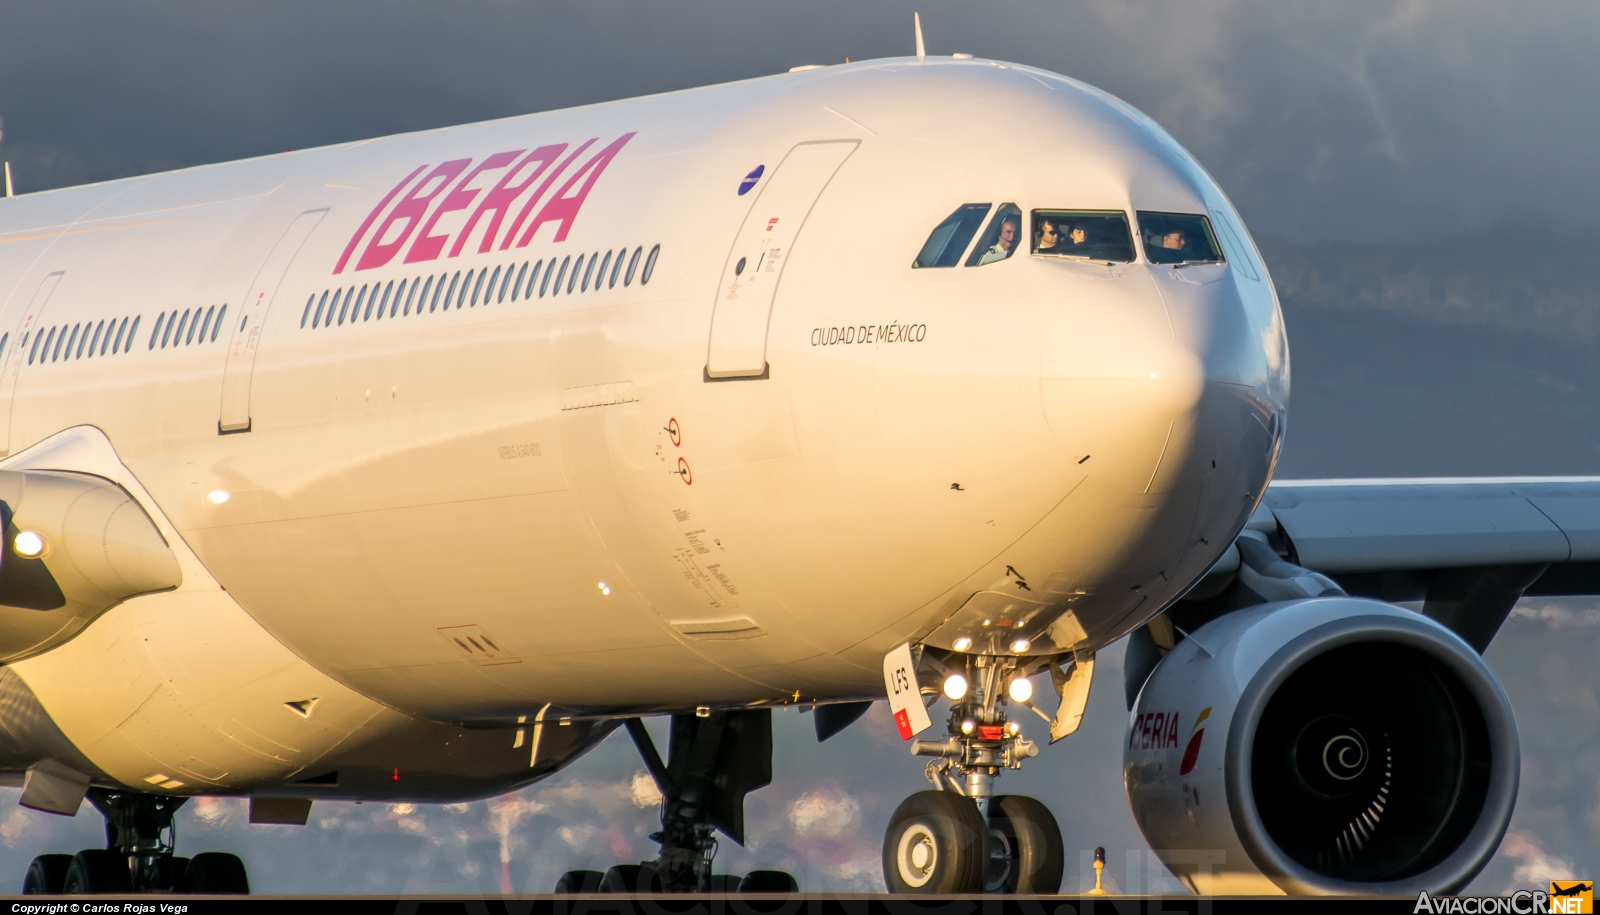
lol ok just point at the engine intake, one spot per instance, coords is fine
(1323, 746)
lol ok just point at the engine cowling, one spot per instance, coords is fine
(1323, 746)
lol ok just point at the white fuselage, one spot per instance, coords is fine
(1047, 448)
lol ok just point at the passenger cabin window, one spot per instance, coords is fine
(1092, 235)
(949, 239)
(1000, 240)
(1178, 238)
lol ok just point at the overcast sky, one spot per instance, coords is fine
(1386, 121)
(1352, 120)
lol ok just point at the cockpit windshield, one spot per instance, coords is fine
(1000, 240)
(1178, 238)
(948, 240)
(1094, 235)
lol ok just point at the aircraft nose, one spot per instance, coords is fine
(1117, 382)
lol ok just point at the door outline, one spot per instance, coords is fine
(730, 323)
(238, 371)
(11, 361)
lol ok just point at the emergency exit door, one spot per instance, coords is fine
(755, 266)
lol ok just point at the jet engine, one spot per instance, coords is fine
(74, 546)
(1331, 745)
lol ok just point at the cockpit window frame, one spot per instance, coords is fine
(1205, 220)
(1043, 214)
(961, 225)
(990, 239)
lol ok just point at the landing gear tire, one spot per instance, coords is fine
(769, 882)
(47, 875)
(935, 844)
(631, 878)
(215, 873)
(97, 871)
(579, 882)
(1025, 854)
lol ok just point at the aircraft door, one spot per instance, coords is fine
(750, 278)
(13, 353)
(246, 338)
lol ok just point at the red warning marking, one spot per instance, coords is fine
(684, 473)
(771, 223)
(902, 720)
(674, 433)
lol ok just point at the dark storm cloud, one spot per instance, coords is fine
(1387, 120)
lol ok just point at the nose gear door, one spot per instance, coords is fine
(750, 278)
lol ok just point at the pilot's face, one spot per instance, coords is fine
(1048, 236)
(1078, 236)
(1172, 241)
(1008, 235)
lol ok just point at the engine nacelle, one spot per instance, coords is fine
(1324, 746)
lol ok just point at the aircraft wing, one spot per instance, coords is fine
(1468, 548)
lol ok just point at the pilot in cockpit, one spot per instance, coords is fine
(1173, 241)
(1046, 237)
(1003, 245)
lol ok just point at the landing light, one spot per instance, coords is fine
(955, 686)
(29, 545)
(217, 496)
(967, 726)
(1013, 729)
(605, 588)
(961, 644)
(1020, 646)
(1021, 689)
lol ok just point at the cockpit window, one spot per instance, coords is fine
(1000, 240)
(1178, 238)
(949, 239)
(1094, 235)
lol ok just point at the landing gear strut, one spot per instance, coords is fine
(714, 760)
(962, 838)
(138, 857)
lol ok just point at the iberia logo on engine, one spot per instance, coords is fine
(1159, 731)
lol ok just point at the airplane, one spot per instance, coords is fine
(410, 469)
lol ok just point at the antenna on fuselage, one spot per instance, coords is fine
(916, 23)
(8, 179)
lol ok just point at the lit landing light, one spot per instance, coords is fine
(1021, 689)
(1020, 646)
(955, 686)
(968, 726)
(605, 588)
(30, 545)
(217, 496)
(962, 644)
(1013, 729)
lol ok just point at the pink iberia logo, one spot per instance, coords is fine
(407, 218)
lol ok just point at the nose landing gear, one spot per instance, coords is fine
(961, 838)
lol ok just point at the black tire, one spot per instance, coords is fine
(1025, 851)
(215, 873)
(579, 882)
(97, 871)
(724, 883)
(631, 878)
(47, 875)
(935, 844)
(769, 882)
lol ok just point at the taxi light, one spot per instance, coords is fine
(29, 545)
(605, 588)
(1013, 729)
(961, 644)
(217, 496)
(1021, 689)
(955, 686)
(967, 726)
(1020, 646)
